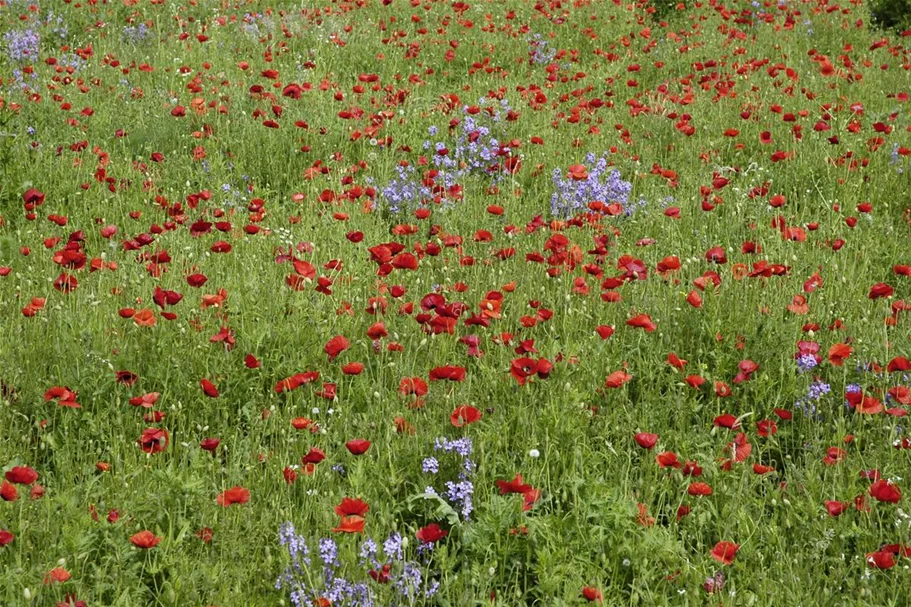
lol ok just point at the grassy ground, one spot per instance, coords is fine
(693, 353)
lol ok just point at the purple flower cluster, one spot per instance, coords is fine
(539, 51)
(461, 492)
(472, 148)
(572, 196)
(22, 46)
(815, 392)
(389, 568)
(806, 362)
(137, 34)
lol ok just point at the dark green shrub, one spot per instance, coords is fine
(891, 14)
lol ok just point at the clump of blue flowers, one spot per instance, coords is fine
(539, 50)
(307, 583)
(136, 34)
(460, 491)
(572, 195)
(22, 46)
(473, 146)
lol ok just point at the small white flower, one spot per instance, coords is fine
(534, 453)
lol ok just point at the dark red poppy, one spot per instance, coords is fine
(208, 388)
(885, 491)
(881, 560)
(645, 439)
(6, 537)
(313, 456)
(153, 440)
(431, 534)
(835, 508)
(336, 346)
(22, 475)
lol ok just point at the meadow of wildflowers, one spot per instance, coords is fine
(420, 302)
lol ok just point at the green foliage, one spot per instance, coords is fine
(891, 14)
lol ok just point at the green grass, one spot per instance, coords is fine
(585, 530)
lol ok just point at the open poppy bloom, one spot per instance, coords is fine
(350, 524)
(724, 552)
(153, 440)
(463, 415)
(145, 540)
(234, 495)
(431, 534)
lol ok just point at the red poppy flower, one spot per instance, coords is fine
(700, 488)
(22, 475)
(452, 373)
(592, 595)
(885, 491)
(234, 495)
(766, 428)
(350, 524)
(145, 540)
(691, 469)
(251, 362)
(899, 363)
(835, 508)
(6, 537)
(413, 385)
(314, 456)
(694, 381)
(209, 444)
(879, 290)
(881, 560)
(668, 459)
(675, 361)
(8, 492)
(205, 535)
(357, 446)
(146, 400)
(646, 440)
(57, 574)
(724, 552)
(353, 368)
(617, 379)
(463, 415)
(336, 346)
(838, 353)
(208, 388)
(431, 534)
(642, 321)
(153, 440)
(727, 421)
(516, 485)
(350, 506)
(604, 331)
